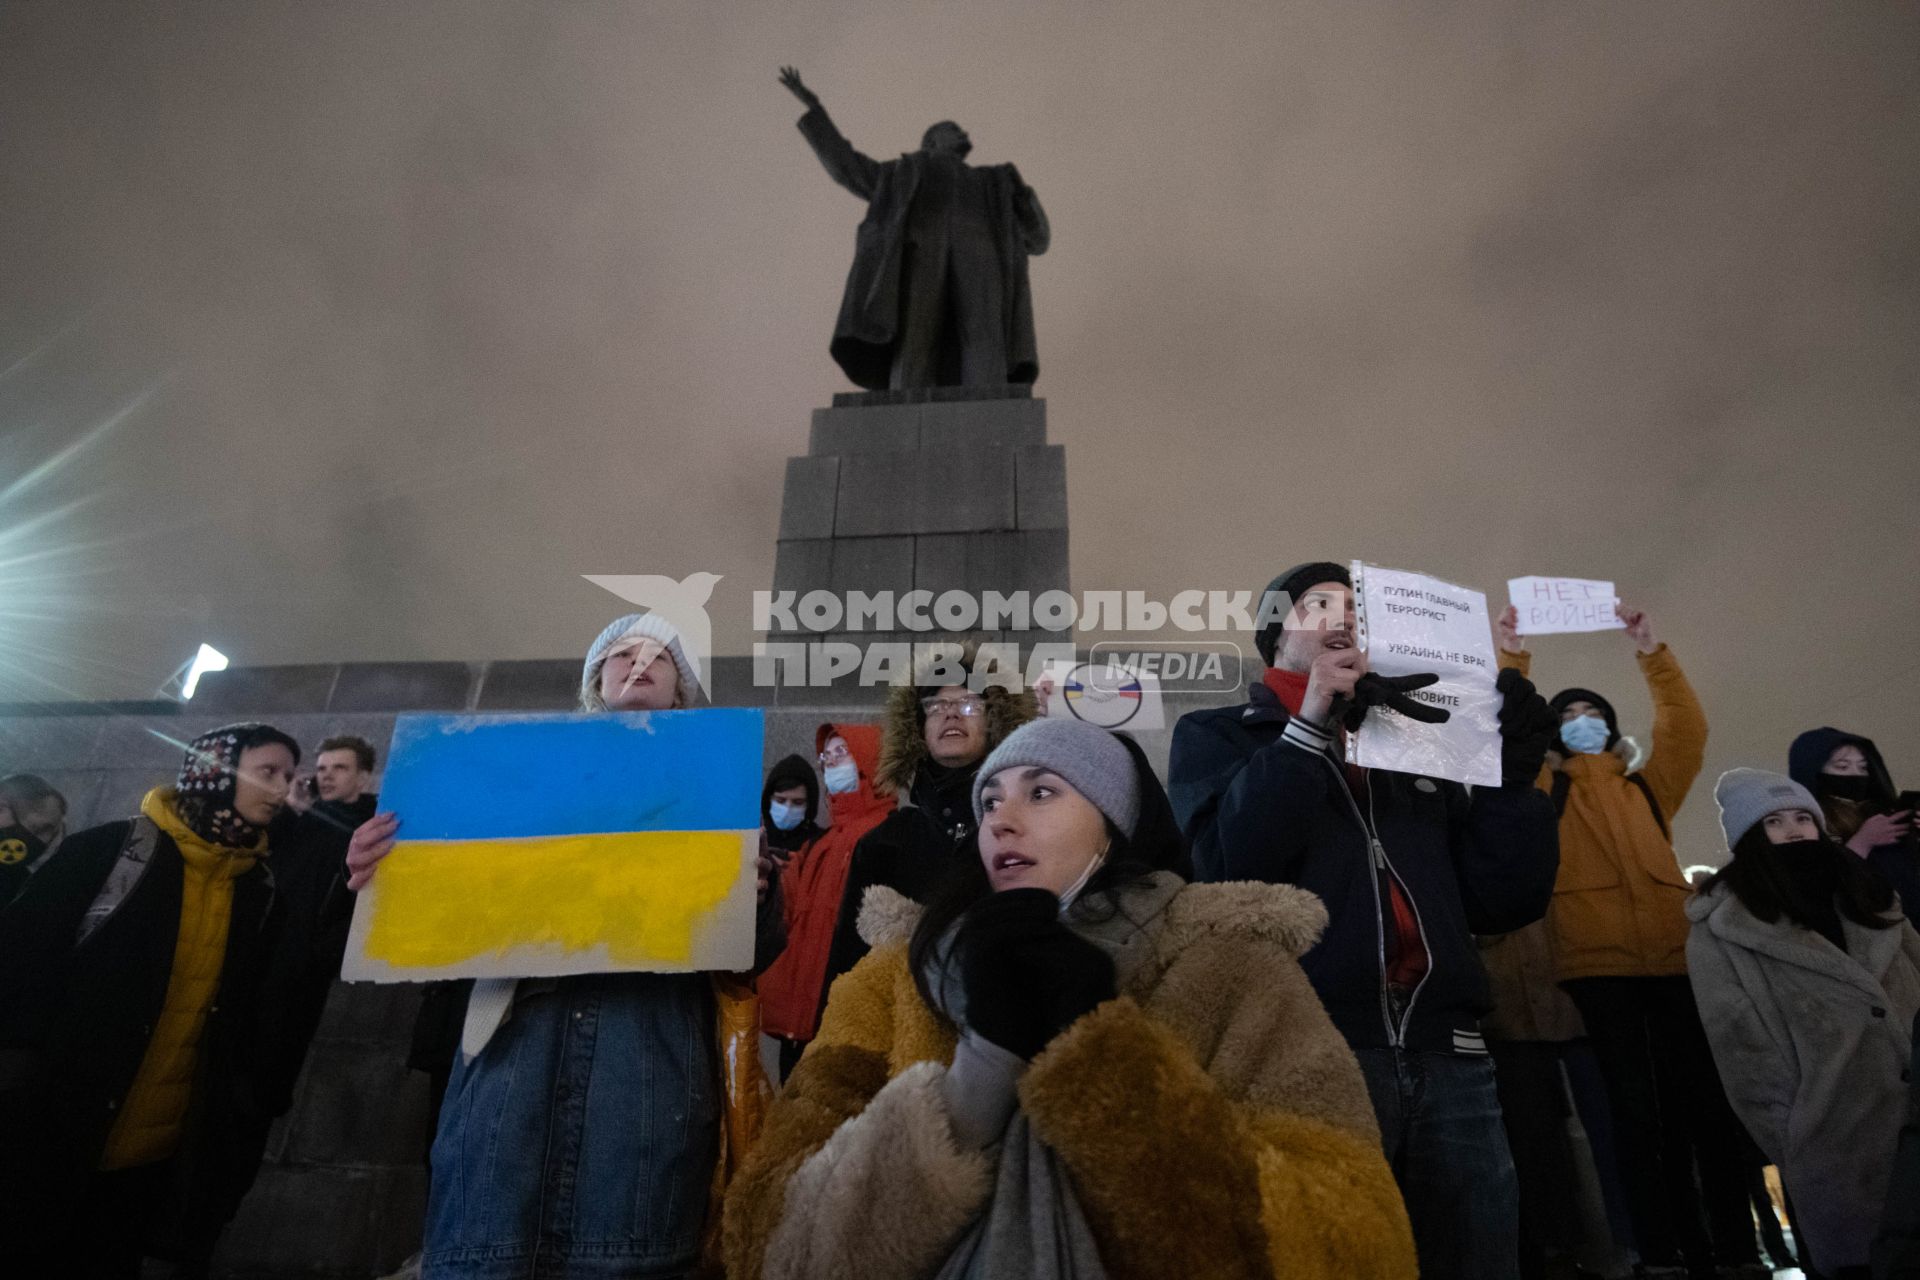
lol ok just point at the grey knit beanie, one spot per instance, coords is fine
(1090, 759)
(1746, 796)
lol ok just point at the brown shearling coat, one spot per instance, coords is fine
(1214, 1122)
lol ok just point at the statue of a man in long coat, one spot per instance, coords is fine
(938, 291)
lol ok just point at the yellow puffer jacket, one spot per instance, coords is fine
(1619, 903)
(1214, 1122)
(154, 1111)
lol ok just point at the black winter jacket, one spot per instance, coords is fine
(74, 1026)
(911, 852)
(1256, 806)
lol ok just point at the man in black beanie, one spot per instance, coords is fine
(1410, 868)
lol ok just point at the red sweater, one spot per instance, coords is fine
(1406, 952)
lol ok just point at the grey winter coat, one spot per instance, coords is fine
(1812, 1045)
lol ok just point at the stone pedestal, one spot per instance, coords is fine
(938, 494)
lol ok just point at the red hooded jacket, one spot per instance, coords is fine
(813, 883)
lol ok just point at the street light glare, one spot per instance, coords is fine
(208, 659)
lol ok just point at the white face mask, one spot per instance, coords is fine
(786, 816)
(1586, 734)
(842, 778)
(1073, 890)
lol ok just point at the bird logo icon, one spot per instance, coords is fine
(681, 601)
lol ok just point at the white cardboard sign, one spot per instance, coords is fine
(1412, 623)
(1556, 606)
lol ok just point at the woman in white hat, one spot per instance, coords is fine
(584, 1117)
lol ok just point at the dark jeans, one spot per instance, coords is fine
(1440, 1125)
(1670, 1117)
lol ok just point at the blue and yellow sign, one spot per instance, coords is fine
(537, 846)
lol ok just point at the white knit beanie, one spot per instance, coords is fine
(630, 630)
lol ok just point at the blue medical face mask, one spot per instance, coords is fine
(1585, 734)
(842, 778)
(787, 816)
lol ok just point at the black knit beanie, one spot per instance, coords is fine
(1290, 586)
(1560, 700)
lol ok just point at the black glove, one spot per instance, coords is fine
(1529, 726)
(1374, 690)
(1027, 976)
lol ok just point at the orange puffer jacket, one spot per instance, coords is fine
(1619, 903)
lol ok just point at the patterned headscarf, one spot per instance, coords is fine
(204, 793)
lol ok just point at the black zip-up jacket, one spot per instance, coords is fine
(1261, 801)
(74, 1026)
(912, 851)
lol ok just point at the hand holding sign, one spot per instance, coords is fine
(545, 845)
(372, 840)
(1529, 726)
(1372, 690)
(1554, 606)
(1506, 629)
(1428, 644)
(1639, 628)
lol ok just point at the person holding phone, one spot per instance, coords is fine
(1808, 977)
(1847, 775)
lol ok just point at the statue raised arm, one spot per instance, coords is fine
(938, 292)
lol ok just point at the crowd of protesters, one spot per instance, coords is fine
(1035, 1013)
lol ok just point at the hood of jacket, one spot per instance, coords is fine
(1808, 757)
(903, 743)
(787, 772)
(863, 741)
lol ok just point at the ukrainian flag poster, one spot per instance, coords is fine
(543, 845)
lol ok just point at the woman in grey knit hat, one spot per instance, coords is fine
(1807, 974)
(1072, 1063)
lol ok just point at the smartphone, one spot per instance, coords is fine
(1908, 800)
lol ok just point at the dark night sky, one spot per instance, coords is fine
(362, 330)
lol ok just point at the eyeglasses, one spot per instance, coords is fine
(838, 754)
(964, 706)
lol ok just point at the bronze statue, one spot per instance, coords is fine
(937, 296)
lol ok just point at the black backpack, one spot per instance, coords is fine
(1563, 784)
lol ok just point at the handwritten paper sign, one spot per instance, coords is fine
(545, 845)
(1412, 623)
(1554, 606)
